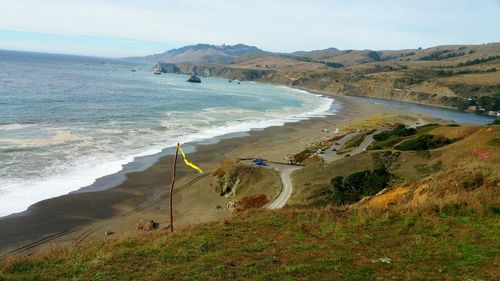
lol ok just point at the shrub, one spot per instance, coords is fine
(375, 181)
(489, 102)
(333, 64)
(424, 142)
(358, 184)
(436, 55)
(385, 143)
(374, 55)
(494, 141)
(391, 137)
(338, 190)
(402, 131)
(478, 61)
(383, 136)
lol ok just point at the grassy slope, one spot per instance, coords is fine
(326, 244)
(443, 225)
(457, 158)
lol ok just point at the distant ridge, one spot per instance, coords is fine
(203, 53)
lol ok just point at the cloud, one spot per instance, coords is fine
(273, 25)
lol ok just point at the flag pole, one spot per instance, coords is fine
(172, 187)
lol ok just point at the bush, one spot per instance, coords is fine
(374, 55)
(385, 143)
(383, 136)
(402, 131)
(357, 185)
(494, 141)
(489, 102)
(375, 181)
(338, 190)
(436, 55)
(391, 137)
(424, 142)
(478, 61)
(333, 64)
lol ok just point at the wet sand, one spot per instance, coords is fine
(78, 217)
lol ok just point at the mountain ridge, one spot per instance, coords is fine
(203, 53)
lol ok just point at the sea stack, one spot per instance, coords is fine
(194, 79)
(157, 70)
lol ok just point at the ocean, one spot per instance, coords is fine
(66, 121)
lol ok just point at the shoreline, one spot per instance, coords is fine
(79, 216)
(84, 213)
(116, 170)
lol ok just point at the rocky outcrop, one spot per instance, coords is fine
(194, 79)
(217, 70)
(168, 67)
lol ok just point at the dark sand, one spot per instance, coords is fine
(77, 217)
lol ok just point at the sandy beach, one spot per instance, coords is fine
(77, 217)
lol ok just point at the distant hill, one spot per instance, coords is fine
(438, 53)
(465, 77)
(204, 53)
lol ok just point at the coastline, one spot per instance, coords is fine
(78, 216)
(111, 171)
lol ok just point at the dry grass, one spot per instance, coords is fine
(225, 165)
(378, 121)
(459, 188)
(465, 180)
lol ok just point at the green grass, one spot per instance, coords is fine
(494, 142)
(291, 244)
(388, 139)
(423, 142)
(388, 143)
(355, 141)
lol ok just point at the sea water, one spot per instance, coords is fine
(66, 121)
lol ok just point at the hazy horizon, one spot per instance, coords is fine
(114, 28)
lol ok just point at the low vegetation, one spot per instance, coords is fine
(355, 186)
(408, 138)
(291, 244)
(355, 141)
(423, 142)
(478, 61)
(248, 185)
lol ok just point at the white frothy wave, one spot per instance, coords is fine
(59, 137)
(14, 126)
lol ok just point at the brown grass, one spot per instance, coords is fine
(225, 165)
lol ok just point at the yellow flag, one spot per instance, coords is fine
(189, 163)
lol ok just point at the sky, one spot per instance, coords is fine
(119, 28)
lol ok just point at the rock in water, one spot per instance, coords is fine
(194, 79)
